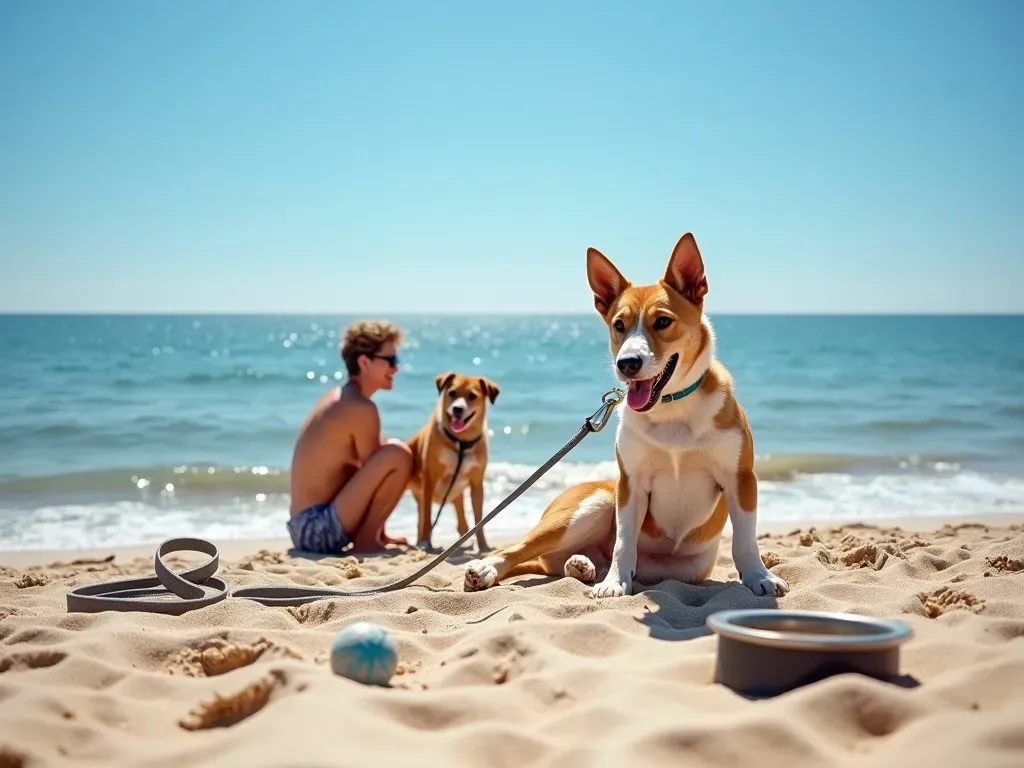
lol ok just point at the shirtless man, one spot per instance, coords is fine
(345, 478)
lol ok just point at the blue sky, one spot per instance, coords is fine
(254, 156)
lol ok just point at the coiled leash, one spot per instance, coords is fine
(198, 587)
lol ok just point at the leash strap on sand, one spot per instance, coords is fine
(141, 594)
(198, 587)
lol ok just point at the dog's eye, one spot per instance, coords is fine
(662, 323)
(471, 396)
(452, 394)
(619, 326)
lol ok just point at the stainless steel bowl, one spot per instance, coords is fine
(766, 652)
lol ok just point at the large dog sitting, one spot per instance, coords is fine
(458, 422)
(683, 445)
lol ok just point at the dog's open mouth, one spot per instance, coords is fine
(642, 394)
(458, 423)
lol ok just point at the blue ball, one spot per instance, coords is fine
(365, 653)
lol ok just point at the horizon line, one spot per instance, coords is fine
(383, 314)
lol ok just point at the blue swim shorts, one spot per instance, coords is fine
(317, 529)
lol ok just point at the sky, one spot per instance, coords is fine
(346, 157)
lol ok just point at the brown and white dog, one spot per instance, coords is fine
(683, 445)
(458, 421)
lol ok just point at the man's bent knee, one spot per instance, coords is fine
(397, 454)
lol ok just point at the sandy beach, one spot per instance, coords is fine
(529, 673)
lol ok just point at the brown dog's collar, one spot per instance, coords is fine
(464, 445)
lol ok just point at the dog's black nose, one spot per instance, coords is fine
(630, 366)
(458, 410)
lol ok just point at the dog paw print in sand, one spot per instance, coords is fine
(219, 656)
(27, 580)
(263, 557)
(946, 599)
(1004, 564)
(316, 612)
(770, 559)
(870, 555)
(349, 567)
(853, 551)
(31, 660)
(226, 710)
(512, 653)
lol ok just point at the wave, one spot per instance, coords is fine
(1014, 409)
(810, 499)
(917, 425)
(247, 480)
(239, 374)
(796, 404)
(140, 431)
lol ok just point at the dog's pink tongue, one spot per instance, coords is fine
(638, 393)
(458, 424)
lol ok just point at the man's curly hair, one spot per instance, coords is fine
(366, 337)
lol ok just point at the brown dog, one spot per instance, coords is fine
(458, 422)
(684, 448)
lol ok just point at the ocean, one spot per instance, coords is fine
(119, 430)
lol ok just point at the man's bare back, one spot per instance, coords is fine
(345, 478)
(327, 452)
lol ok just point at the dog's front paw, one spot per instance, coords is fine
(763, 582)
(580, 567)
(610, 588)
(480, 575)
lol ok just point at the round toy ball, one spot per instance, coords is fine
(365, 653)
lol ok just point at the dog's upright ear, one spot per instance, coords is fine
(491, 390)
(685, 271)
(606, 281)
(443, 380)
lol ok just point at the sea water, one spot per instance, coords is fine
(129, 429)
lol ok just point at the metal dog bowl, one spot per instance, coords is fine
(767, 652)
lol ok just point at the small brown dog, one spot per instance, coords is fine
(457, 424)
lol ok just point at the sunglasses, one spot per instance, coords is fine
(391, 360)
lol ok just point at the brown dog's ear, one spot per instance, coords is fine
(606, 281)
(491, 390)
(685, 271)
(443, 380)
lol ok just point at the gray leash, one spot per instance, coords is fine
(463, 447)
(198, 587)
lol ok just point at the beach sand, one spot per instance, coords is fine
(532, 673)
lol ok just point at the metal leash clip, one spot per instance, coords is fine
(601, 416)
